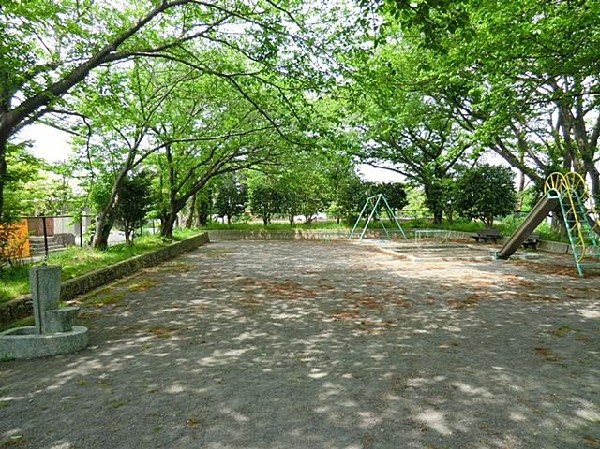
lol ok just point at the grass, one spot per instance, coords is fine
(76, 261)
(274, 226)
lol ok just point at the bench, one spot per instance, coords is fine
(532, 241)
(487, 234)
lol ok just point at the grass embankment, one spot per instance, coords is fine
(76, 261)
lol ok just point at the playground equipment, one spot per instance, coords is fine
(569, 191)
(372, 208)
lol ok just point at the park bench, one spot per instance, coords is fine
(532, 241)
(487, 234)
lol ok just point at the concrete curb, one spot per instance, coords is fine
(342, 234)
(22, 307)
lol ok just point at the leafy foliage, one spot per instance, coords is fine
(231, 198)
(132, 204)
(485, 191)
(265, 199)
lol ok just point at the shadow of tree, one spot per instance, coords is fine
(320, 345)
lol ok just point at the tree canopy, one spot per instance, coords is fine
(192, 93)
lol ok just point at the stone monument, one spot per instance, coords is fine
(53, 332)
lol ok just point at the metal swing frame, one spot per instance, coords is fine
(372, 205)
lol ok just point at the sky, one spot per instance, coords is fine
(53, 145)
(48, 143)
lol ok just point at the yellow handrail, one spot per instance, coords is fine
(570, 183)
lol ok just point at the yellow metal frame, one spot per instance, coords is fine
(573, 192)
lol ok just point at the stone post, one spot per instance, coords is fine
(45, 291)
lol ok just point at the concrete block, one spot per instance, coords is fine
(61, 320)
(45, 291)
(25, 343)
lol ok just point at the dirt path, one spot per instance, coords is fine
(322, 345)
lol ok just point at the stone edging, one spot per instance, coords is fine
(21, 307)
(342, 234)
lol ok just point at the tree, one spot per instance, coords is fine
(51, 191)
(24, 170)
(485, 191)
(84, 35)
(210, 130)
(394, 192)
(265, 200)
(132, 204)
(351, 198)
(404, 127)
(231, 198)
(521, 75)
(47, 47)
(115, 137)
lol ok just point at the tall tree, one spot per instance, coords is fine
(522, 75)
(132, 204)
(36, 77)
(231, 198)
(484, 192)
(406, 129)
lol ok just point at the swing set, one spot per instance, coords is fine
(372, 211)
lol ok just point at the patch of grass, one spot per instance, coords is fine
(76, 261)
(275, 226)
(106, 299)
(142, 285)
(14, 282)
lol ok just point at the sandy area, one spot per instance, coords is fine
(323, 345)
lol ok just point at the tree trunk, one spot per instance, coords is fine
(189, 217)
(438, 217)
(167, 222)
(594, 175)
(103, 227)
(128, 234)
(3, 173)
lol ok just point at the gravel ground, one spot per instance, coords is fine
(303, 344)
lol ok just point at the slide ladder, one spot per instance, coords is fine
(570, 192)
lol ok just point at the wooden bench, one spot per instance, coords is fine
(487, 234)
(532, 241)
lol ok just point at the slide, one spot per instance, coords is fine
(535, 217)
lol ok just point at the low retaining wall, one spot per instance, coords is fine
(342, 234)
(23, 306)
(293, 234)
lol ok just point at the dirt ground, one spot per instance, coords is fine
(303, 344)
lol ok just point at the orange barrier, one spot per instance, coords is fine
(17, 242)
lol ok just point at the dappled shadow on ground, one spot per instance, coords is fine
(320, 345)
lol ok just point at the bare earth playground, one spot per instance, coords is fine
(306, 344)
